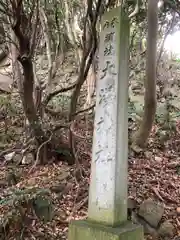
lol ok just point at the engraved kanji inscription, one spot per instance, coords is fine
(109, 37)
(106, 25)
(109, 50)
(109, 68)
(113, 22)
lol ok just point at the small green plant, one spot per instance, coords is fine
(19, 206)
(6, 105)
(61, 101)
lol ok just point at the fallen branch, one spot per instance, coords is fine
(88, 54)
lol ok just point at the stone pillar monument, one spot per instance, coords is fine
(107, 209)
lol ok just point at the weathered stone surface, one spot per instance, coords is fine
(131, 206)
(108, 182)
(151, 212)
(166, 229)
(107, 209)
(147, 228)
(132, 203)
(85, 230)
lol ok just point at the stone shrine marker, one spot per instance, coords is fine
(107, 210)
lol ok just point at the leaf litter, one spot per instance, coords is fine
(154, 176)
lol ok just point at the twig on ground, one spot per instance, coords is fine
(156, 191)
(168, 198)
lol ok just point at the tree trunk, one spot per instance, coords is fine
(44, 23)
(91, 84)
(27, 99)
(141, 137)
(26, 88)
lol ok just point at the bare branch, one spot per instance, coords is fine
(136, 10)
(84, 110)
(84, 68)
(53, 94)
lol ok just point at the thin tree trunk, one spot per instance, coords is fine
(26, 88)
(142, 135)
(91, 84)
(44, 23)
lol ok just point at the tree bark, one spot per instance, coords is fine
(44, 23)
(26, 86)
(141, 137)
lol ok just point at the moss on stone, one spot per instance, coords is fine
(86, 230)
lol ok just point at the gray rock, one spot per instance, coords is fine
(131, 206)
(8, 157)
(166, 229)
(151, 212)
(43, 208)
(132, 203)
(147, 228)
(28, 158)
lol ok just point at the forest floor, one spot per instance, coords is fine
(153, 173)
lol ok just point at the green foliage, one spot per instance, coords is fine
(178, 60)
(8, 110)
(61, 101)
(20, 205)
(135, 109)
(6, 105)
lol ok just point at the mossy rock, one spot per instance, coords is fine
(43, 208)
